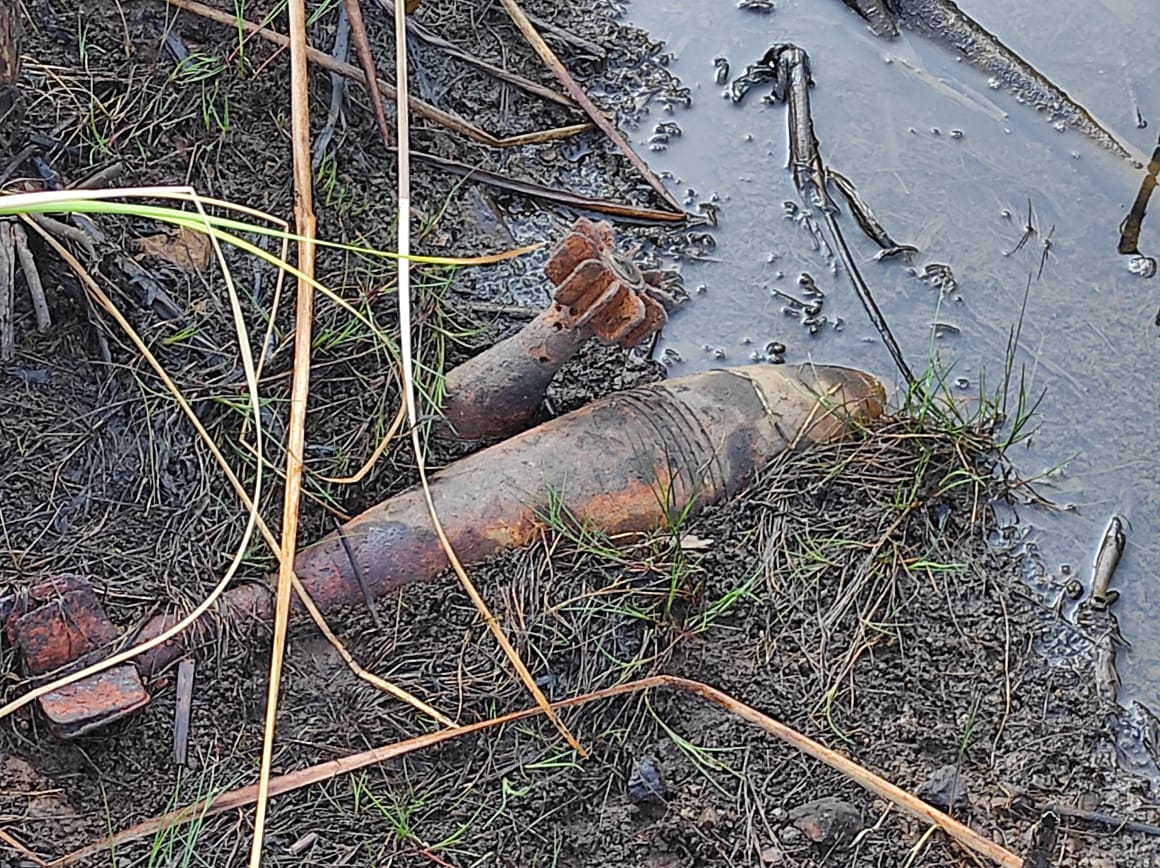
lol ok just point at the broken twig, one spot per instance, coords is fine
(324, 60)
(629, 213)
(362, 45)
(606, 126)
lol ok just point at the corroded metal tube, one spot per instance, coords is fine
(624, 464)
(498, 392)
(599, 293)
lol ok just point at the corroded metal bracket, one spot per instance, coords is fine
(58, 625)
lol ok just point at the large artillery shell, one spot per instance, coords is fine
(623, 464)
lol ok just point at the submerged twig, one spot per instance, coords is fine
(788, 67)
(1129, 244)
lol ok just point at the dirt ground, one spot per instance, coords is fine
(863, 594)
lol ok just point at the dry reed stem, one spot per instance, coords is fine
(577, 93)
(324, 60)
(299, 393)
(404, 296)
(966, 837)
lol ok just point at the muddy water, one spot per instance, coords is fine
(949, 164)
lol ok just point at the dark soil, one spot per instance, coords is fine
(851, 592)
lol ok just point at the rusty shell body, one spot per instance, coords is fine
(499, 392)
(624, 464)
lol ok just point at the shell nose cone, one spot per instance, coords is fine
(859, 393)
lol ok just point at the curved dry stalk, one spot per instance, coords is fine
(248, 502)
(252, 518)
(299, 393)
(404, 296)
(384, 442)
(962, 834)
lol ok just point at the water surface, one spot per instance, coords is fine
(949, 164)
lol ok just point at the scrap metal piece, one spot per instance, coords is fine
(600, 293)
(92, 702)
(57, 625)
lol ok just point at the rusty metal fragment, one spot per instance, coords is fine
(599, 293)
(627, 464)
(57, 624)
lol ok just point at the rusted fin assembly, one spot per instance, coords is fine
(626, 464)
(599, 293)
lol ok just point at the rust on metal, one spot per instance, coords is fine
(57, 625)
(599, 293)
(624, 464)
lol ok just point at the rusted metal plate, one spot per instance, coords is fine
(58, 621)
(94, 701)
(55, 624)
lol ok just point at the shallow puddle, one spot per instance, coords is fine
(948, 164)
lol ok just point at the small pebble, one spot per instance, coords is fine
(646, 783)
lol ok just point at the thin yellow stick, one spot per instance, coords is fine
(404, 295)
(299, 392)
(965, 836)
